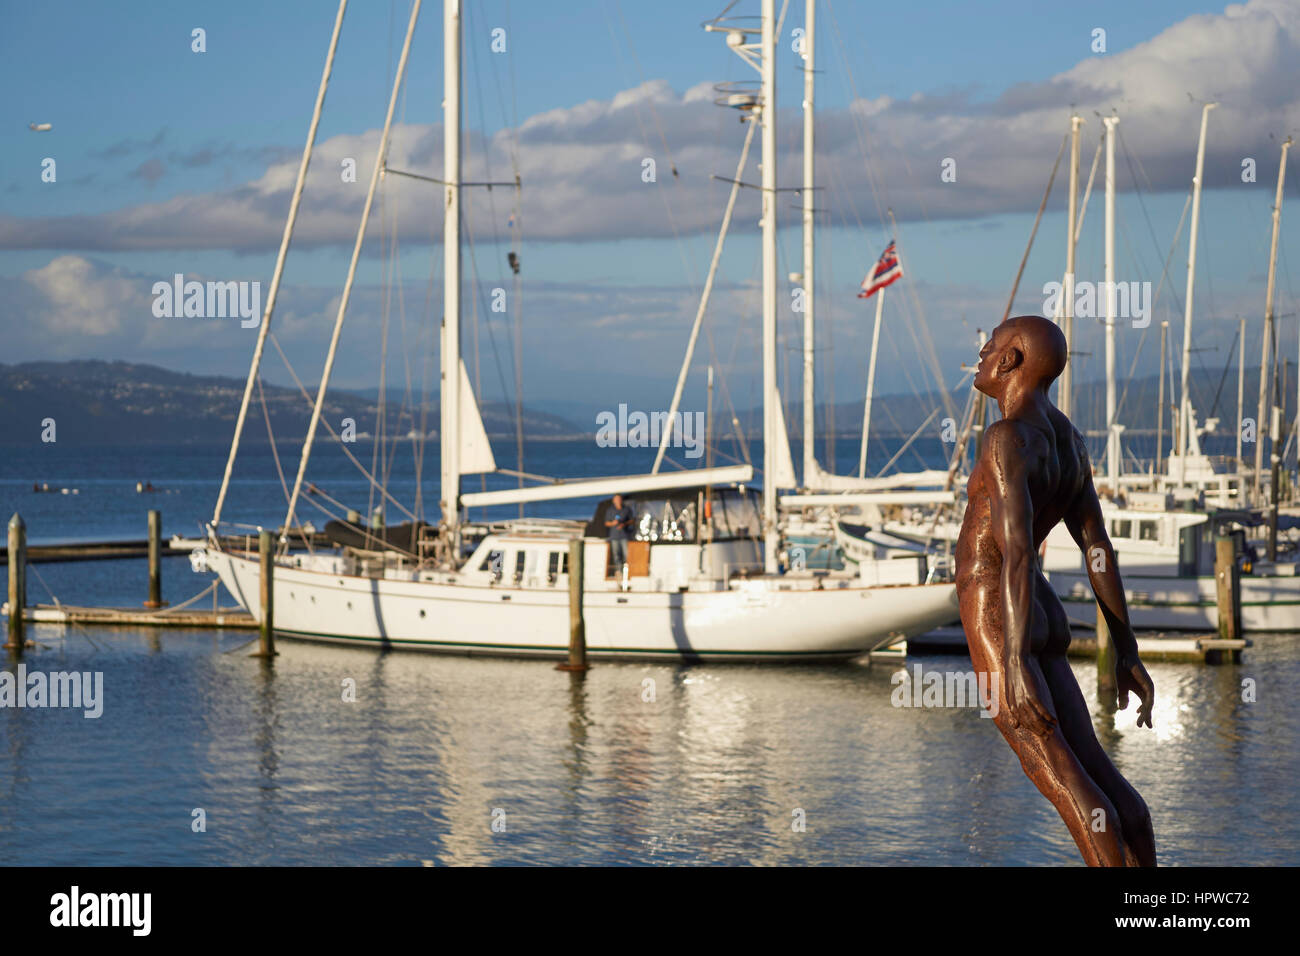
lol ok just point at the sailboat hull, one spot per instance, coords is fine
(1269, 603)
(755, 620)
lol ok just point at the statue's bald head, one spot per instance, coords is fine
(1027, 345)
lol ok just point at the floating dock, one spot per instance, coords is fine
(229, 618)
(1200, 648)
(91, 551)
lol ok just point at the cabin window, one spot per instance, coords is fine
(494, 562)
(1148, 531)
(554, 566)
(1121, 528)
(1189, 550)
(521, 558)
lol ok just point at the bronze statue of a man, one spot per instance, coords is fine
(1032, 472)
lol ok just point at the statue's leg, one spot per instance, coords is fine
(1075, 723)
(1057, 773)
(1049, 761)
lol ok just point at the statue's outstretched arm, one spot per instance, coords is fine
(1088, 528)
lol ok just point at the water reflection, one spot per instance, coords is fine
(717, 765)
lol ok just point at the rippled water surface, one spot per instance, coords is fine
(587, 770)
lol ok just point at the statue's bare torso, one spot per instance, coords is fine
(1057, 461)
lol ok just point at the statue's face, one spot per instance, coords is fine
(991, 357)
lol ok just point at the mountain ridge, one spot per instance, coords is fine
(98, 401)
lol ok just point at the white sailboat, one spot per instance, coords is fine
(702, 580)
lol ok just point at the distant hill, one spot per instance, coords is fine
(122, 403)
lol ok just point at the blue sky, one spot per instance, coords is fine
(166, 160)
(105, 73)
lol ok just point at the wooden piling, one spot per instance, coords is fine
(1227, 580)
(1107, 689)
(17, 583)
(266, 627)
(577, 626)
(155, 560)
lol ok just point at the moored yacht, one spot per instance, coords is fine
(704, 577)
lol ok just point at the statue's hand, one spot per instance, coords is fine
(1131, 675)
(1025, 703)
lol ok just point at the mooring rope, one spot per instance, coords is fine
(48, 589)
(185, 604)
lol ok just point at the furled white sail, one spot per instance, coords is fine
(475, 449)
(784, 477)
(822, 480)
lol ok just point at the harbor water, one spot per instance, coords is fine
(339, 756)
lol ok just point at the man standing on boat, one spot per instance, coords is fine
(618, 519)
(1032, 472)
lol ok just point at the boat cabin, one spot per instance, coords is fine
(670, 547)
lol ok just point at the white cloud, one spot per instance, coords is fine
(82, 298)
(581, 165)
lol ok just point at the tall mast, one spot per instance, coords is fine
(981, 414)
(809, 391)
(1112, 436)
(1241, 393)
(770, 396)
(1065, 394)
(1160, 401)
(449, 433)
(1260, 429)
(1185, 404)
